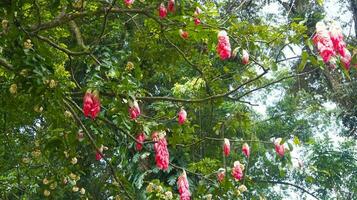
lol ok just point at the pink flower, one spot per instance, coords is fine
(182, 115)
(223, 47)
(98, 156)
(323, 42)
(162, 11)
(161, 151)
(91, 104)
(134, 110)
(237, 171)
(183, 34)
(337, 39)
(226, 147)
(346, 59)
(140, 138)
(221, 174)
(171, 6)
(128, 2)
(197, 21)
(245, 57)
(279, 148)
(183, 187)
(246, 150)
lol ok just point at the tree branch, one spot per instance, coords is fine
(65, 18)
(6, 64)
(287, 183)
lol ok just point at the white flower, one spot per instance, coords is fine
(74, 161)
(242, 188)
(168, 195)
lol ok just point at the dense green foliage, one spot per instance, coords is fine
(52, 52)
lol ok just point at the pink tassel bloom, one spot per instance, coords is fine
(183, 187)
(134, 110)
(182, 115)
(226, 147)
(197, 21)
(223, 47)
(323, 42)
(279, 148)
(171, 6)
(221, 174)
(128, 2)
(183, 34)
(140, 138)
(161, 151)
(237, 171)
(245, 57)
(162, 11)
(91, 104)
(246, 150)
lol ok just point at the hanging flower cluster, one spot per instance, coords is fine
(162, 11)
(140, 138)
(221, 174)
(161, 151)
(330, 43)
(223, 46)
(183, 34)
(196, 15)
(91, 104)
(279, 148)
(99, 154)
(237, 170)
(246, 150)
(171, 6)
(182, 115)
(183, 187)
(134, 110)
(128, 2)
(245, 57)
(226, 147)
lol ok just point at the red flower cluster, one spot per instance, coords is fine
(171, 6)
(162, 11)
(182, 115)
(245, 57)
(128, 2)
(221, 174)
(223, 47)
(330, 43)
(195, 16)
(91, 104)
(226, 147)
(246, 150)
(183, 34)
(183, 187)
(140, 138)
(161, 151)
(237, 171)
(134, 110)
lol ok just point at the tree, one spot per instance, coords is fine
(91, 93)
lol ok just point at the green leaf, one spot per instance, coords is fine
(320, 2)
(302, 64)
(296, 140)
